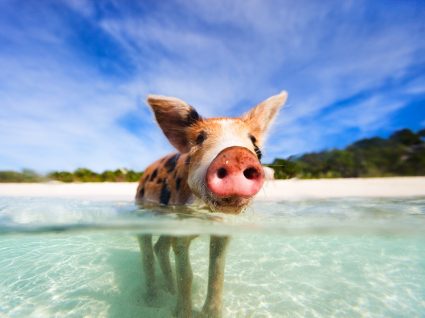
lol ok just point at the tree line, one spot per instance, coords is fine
(79, 175)
(401, 154)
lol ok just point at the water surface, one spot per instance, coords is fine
(315, 258)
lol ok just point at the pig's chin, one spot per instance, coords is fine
(231, 205)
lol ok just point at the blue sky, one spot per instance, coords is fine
(74, 74)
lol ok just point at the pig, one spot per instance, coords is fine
(217, 163)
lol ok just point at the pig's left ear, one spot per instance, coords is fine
(261, 116)
(174, 116)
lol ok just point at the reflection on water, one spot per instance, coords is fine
(350, 258)
(333, 216)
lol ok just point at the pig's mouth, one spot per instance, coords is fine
(231, 204)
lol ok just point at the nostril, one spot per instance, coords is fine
(251, 173)
(221, 173)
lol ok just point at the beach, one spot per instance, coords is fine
(274, 190)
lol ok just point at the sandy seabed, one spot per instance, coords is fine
(293, 189)
(328, 258)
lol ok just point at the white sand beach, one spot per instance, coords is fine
(273, 190)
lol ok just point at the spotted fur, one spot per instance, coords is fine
(165, 181)
(180, 177)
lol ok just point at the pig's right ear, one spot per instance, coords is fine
(174, 116)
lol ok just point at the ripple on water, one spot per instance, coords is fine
(286, 272)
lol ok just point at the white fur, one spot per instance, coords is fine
(228, 136)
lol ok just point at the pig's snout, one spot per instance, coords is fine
(235, 172)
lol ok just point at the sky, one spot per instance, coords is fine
(74, 74)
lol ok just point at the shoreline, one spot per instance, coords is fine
(274, 190)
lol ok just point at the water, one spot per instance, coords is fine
(316, 258)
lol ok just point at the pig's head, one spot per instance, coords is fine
(223, 153)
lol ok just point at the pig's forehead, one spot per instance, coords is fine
(222, 123)
(227, 132)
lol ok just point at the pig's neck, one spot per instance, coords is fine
(165, 181)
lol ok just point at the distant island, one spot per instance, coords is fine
(401, 154)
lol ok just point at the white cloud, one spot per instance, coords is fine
(54, 120)
(60, 112)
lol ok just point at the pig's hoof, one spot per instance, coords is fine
(210, 313)
(186, 313)
(171, 289)
(151, 298)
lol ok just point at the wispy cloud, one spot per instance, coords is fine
(75, 73)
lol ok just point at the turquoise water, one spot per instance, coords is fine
(316, 258)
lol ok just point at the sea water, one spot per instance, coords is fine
(350, 257)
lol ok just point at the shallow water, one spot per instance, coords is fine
(315, 258)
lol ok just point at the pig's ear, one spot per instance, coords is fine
(261, 116)
(174, 116)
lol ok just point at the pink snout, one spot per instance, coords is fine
(235, 172)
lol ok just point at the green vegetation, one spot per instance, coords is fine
(402, 154)
(79, 175)
(24, 176)
(86, 175)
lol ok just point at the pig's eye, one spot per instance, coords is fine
(256, 148)
(201, 137)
